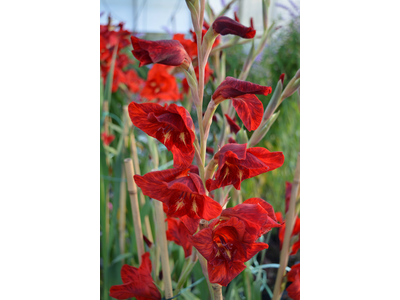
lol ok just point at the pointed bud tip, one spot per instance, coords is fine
(282, 77)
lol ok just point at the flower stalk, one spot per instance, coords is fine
(132, 189)
(162, 243)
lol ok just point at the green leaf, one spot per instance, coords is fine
(121, 257)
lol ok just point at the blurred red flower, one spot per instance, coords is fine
(178, 233)
(226, 246)
(160, 85)
(107, 138)
(237, 163)
(247, 105)
(183, 193)
(165, 52)
(171, 125)
(137, 282)
(109, 39)
(294, 276)
(224, 25)
(190, 46)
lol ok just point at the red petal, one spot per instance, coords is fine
(253, 215)
(171, 125)
(232, 87)
(190, 223)
(224, 25)
(225, 272)
(166, 52)
(127, 290)
(129, 273)
(203, 242)
(145, 267)
(250, 110)
(232, 124)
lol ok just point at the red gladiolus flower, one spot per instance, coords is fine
(296, 231)
(190, 46)
(178, 233)
(294, 276)
(226, 246)
(236, 163)
(133, 81)
(165, 52)
(183, 192)
(247, 105)
(232, 124)
(171, 125)
(160, 85)
(257, 215)
(224, 25)
(137, 282)
(107, 139)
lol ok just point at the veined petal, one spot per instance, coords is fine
(203, 242)
(232, 124)
(166, 52)
(225, 272)
(128, 290)
(250, 110)
(145, 267)
(129, 274)
(190, 223)
(232, 87)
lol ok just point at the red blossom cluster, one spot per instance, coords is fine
(230, 238)
(112, 40)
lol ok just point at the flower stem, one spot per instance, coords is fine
(186, 272)
(217, 291)
(135, 158)
(290, 219)
(162, 242)
(132, 189)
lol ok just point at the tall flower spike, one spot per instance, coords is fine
(137, 282)
(247, 105)
(171, 125)
(237, 163)
(183, 193)
(165, 52)
(226, 246)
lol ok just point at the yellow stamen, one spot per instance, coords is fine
(182, 137)
(167, 136)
